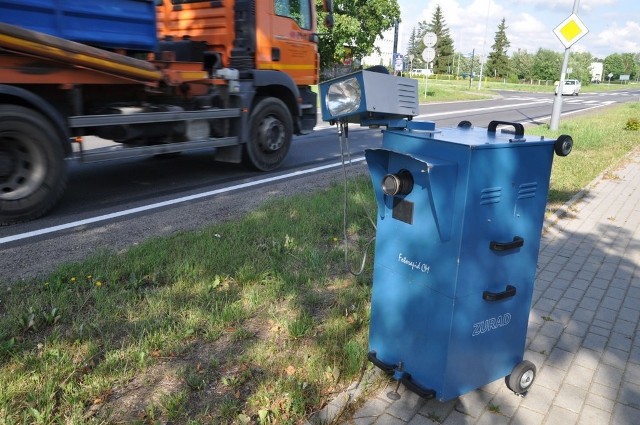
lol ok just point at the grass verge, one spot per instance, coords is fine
(251, 321)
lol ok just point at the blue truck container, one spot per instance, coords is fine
(460, 215)
(113, 24)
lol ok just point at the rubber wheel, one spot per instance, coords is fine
(522, 377)
(33, 173)
(563, 145)
(270, 133)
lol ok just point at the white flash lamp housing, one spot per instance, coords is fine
(368, 96)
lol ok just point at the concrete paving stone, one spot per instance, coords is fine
(579, 376)
(600, 327)
(553, 293)
(551, 329)
(587, 358)
(569, 342)
(495, 386)
(387, 419)
(618, 293)
(568, 275)
(363, 421)
(407, 406)
(591, 415)
(558, 283)
(605, 313)
(371, 408)
(614, 357)
(595, 293)
(625, 415)
(624, 327)
(634, 355)
(547, 276)
(580, 284)
(620, 341)
(490, 418)
(634, 292)
(586, 275)
(600, 402)
(594, 342)
(438, 410)
(506, 401)
(632, 373)
(545, 305)
(421, 420)
(576, 327)
(575, 264)
(542, 344)
(604, 391)
(526, 416)
(560, 416)
(605, 274)
(474, 403)
(630, 394)
(583, 315)
(611, 303)
(600, 283)
(570, 397)
(457, 418)
(550, 377)
(631, 315)
(589, 303)
(567, 304)
(590, 265)
(561, 316)
(608, 375)
(560, 359)
(553, 267)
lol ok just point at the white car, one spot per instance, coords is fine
(570, 88)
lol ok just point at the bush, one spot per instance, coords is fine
(633, 124)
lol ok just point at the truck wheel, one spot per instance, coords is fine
(33, 172)
(270, 133)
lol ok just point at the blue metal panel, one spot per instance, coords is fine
(126, 24)
(452, 286)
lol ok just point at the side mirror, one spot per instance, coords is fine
(328, 20)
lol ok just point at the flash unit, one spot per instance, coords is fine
(368, 95)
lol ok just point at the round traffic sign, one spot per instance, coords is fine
(428, 54)
(430, 39)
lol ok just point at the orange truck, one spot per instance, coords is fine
(156, 77)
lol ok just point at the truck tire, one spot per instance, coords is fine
(33, 172)
(270, 133)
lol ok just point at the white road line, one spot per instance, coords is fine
(466, 111)
(170, 202)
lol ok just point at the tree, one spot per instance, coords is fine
(444, 44)
(547, 65)
(357, 24)
(522, 65)
(498, 62)
(580, 64)
(620, 64)
(413, 48)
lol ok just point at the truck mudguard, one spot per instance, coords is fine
(18, 96)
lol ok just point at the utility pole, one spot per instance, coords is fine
(557, 103)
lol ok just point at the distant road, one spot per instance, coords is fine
(120, 203)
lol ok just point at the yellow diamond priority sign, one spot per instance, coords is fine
(570, 30)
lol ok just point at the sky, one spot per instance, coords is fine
(614, 25)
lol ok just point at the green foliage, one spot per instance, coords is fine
(444, 44)
(357, 24)
(522, 64)
(621, 64)
(633, 124)
(547, 65)
(498, 64)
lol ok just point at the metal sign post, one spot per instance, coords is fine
(568, 32)
(428, 54)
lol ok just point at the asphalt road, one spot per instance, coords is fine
(114, 205)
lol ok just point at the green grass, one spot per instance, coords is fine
(251, 320)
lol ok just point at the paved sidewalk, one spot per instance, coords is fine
(583, 329)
